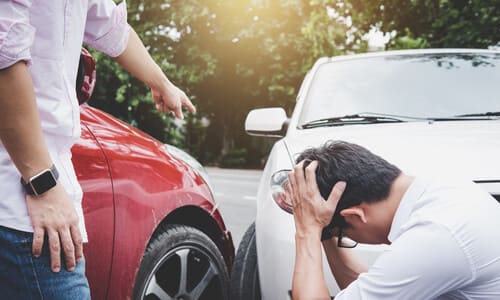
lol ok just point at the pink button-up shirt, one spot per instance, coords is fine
(49, 36)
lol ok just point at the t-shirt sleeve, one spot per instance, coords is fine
(423, 263)
(106, 28)
(16, 33)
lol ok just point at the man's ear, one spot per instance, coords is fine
(353, 213)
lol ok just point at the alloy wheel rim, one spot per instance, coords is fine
(196, 272)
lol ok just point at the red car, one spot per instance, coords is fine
(153, 225)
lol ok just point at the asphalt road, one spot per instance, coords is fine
(235, 192)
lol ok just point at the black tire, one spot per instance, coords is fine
(245, 283)
(181, 262)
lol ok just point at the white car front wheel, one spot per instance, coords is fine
(245, 276)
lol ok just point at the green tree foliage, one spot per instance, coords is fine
(232, 56)
(440, 23)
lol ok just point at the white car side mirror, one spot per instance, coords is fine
(267, 122)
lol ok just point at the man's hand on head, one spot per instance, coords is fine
(311, 212)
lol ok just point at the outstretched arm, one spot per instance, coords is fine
(136, 60)
(106, 30)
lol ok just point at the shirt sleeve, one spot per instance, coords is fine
(106, 29)
(423, 263)
(16, 32)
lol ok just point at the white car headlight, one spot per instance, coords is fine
(279, 185)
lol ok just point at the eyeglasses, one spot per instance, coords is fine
(343, 241)
(279, 186)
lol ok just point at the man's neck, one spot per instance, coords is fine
(398, 189)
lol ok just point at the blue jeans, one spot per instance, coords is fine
(22, 276)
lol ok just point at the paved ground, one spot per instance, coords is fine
(235, 191)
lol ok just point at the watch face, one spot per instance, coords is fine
(43, 182)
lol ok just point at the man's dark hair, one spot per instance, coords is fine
(368, 176)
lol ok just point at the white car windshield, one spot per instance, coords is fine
(431, 86)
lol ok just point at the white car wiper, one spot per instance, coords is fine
(361, 118)
(485, 114)
(469, 117)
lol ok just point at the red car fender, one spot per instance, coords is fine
(149, 187)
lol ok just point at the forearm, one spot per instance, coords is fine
(20, 128)
(344, 265)
(167, 97)
(308, 279)
(136, 60)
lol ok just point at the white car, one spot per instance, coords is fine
(426, 111)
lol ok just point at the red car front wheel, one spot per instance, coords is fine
(181, 262)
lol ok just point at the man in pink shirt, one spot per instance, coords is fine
(41, 220)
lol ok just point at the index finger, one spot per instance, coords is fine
(298, 172)
(336, 193)
(178, 112)
(188, 104)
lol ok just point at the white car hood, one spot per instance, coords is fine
(462, 148)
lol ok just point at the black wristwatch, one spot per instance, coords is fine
(42, 182)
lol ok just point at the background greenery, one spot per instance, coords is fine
(231, 56)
